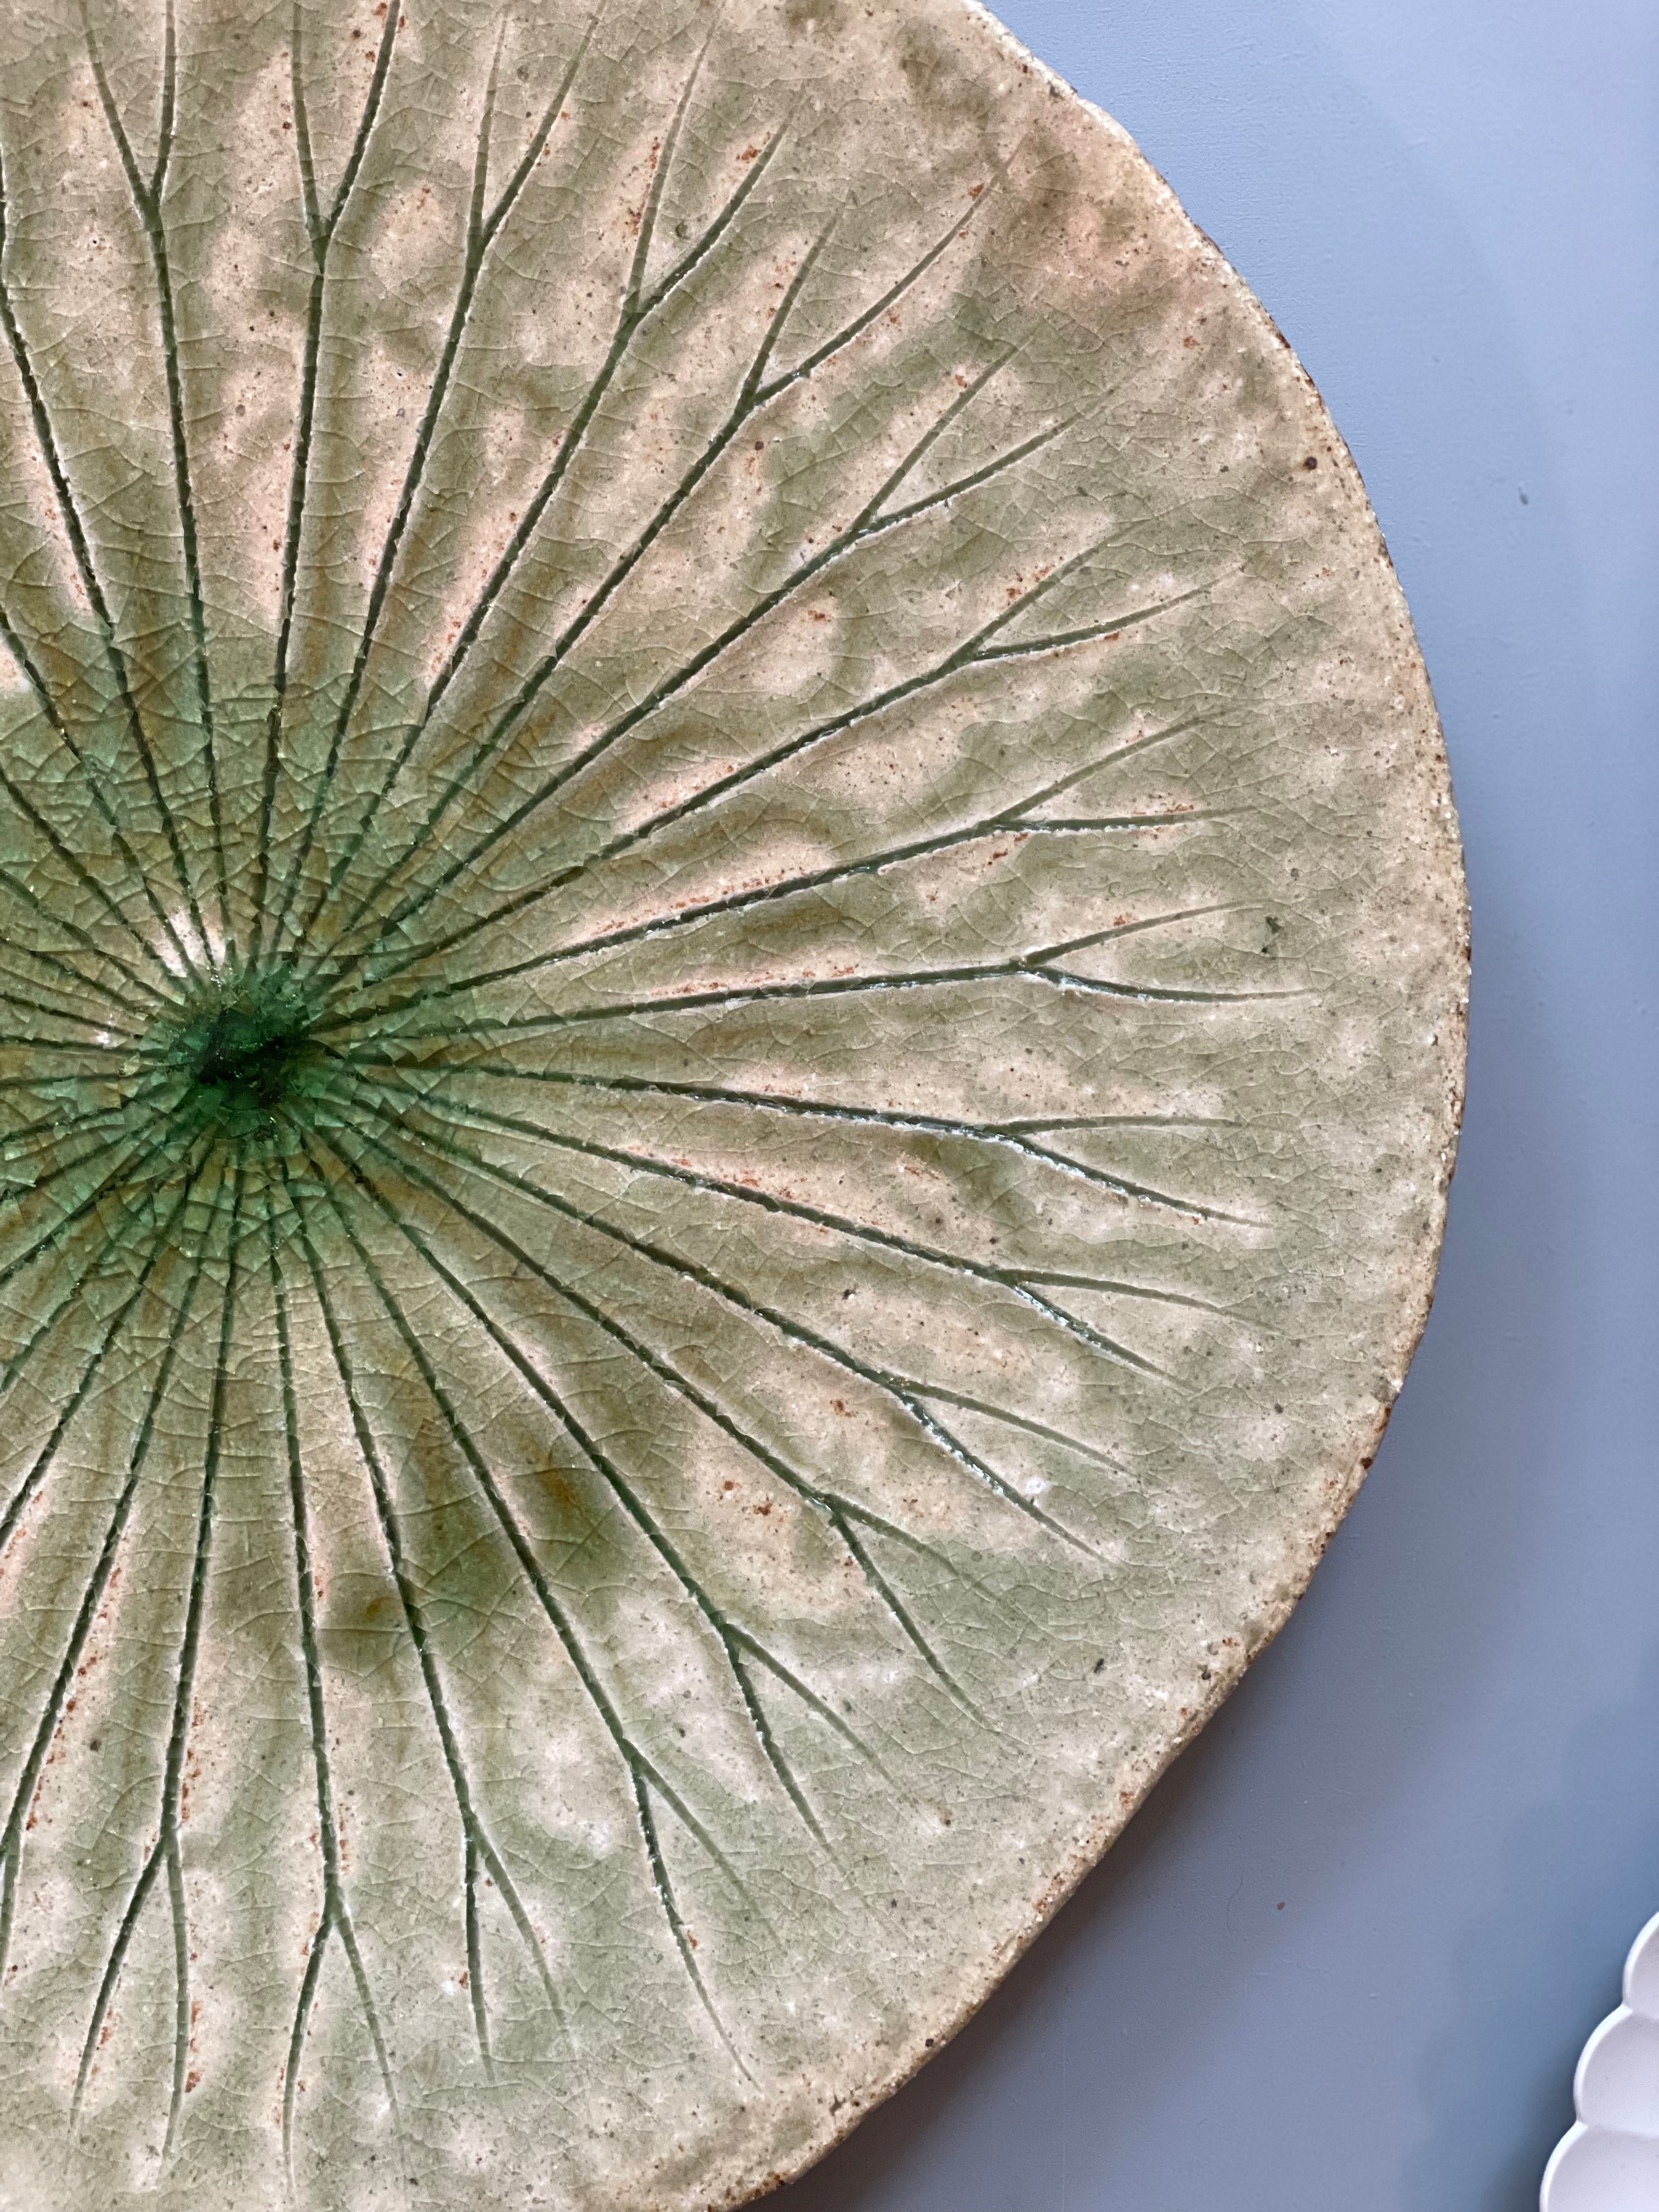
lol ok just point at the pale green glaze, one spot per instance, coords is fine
(731, 953)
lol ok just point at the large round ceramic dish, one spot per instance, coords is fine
(733, 960)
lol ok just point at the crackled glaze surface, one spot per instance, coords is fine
(732, 950)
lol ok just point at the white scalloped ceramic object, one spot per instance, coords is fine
(1609, 2161)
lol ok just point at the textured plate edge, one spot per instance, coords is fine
(1349, 1463)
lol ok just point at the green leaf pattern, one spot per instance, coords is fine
(722, 866)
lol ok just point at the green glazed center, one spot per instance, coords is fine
(249, 1059)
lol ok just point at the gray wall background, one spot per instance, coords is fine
(1346, 1955)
